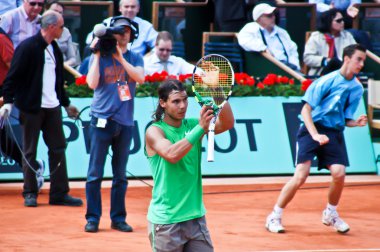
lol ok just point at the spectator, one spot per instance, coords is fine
(65, 42)
(6, 54)
(324, 49)
(7, 5)
(161, 59)
(349, 11)
(342, 5)
(230, 19)
(265, 35)
(112, 76)
(37, 90)
(147, 34)
(8, 144)
(22, 22)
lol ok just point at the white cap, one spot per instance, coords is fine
(261, 9)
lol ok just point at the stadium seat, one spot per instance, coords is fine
(230, 50)
(179, 49)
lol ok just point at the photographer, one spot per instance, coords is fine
(113, 74)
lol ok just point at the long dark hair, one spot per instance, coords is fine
(325, 20)
(164, 91)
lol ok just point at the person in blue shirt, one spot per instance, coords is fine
(329, 105)
(112, 75)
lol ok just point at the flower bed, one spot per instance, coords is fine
(245, 85)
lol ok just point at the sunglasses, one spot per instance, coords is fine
(36, 3)
(164, 49)
(339, 20)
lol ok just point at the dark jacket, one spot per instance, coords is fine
(23, 84)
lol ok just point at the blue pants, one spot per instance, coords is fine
(119, 138)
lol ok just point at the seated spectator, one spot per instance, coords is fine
(349, 11)
(324, 49)
(162, 60)
(7, 5)
(342, 5)
(265, 35)
(22, 22)
(65, 42)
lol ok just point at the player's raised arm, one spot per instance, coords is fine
(225, 119)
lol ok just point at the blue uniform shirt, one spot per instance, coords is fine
(333, 99)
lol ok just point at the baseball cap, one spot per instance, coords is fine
(261, 9)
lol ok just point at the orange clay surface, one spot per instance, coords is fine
(237, 209)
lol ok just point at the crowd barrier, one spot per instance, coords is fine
(262, 141)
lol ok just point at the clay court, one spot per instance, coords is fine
(237, 208)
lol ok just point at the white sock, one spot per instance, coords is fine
(330, 208)
(278, 210)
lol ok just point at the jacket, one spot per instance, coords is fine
(316, 49)
(23, 84)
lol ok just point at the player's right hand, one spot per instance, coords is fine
(321, 139)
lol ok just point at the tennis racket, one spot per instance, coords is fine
(213, 79)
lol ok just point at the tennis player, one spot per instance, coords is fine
(329, 105)
(173, 146)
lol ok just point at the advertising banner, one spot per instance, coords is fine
(262, 141)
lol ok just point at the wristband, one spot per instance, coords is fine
(195, 134)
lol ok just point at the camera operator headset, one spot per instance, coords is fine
(113, 73)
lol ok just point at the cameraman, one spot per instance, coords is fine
(113, 74)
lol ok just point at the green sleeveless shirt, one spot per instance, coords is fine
(177, 192)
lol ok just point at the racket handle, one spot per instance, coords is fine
(210, 145)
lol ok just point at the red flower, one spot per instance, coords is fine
(291, 81)
(244, 79)
(184, 77)
(270, 79)
(305, 84)
(80, 81)
(283, 79)
(260, 85)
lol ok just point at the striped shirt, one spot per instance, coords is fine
(18, 26)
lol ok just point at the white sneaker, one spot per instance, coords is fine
(334, 220)
(273, 224)
(40, 174)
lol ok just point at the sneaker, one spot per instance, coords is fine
(67, 200)
(334, 220)
(30, 200)
(121, 226)
(40, 174)
(273, 224)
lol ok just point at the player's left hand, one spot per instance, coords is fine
(72, 111)
(362, 120)
(206, 115)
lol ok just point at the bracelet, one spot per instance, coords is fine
(195, 134)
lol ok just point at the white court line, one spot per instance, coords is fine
(322, 250)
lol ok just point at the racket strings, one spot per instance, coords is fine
(214, 78)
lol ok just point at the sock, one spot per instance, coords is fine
(278, 210)
(330, 208)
